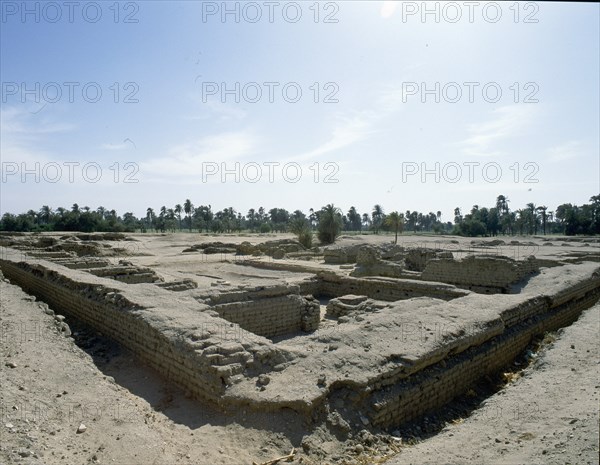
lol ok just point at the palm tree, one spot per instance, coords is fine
(170, 219)
(377, 216)
(532, 218)
(415, 219)
(502, 204)
(33, 215)
(262, 215)
(129, 220)
(178, 209)
(204, 216)
(507, 222)
(45, 214)
(366, 221)
(301, 227)
(520, 219)
(396, 221)
(313, 218)
(457, 216)
(330, 223)
(543, 210)
(150, 216)
(503, 213)
(354, 219)
(251, 217)
(188, 207)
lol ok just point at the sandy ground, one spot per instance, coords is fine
(52, 384)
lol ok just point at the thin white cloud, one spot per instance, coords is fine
(357, 126)
(22, 135)
(566, 151)
(190, 158)
(346, 132)
(21, 121)
(485, 137)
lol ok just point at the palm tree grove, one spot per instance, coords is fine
(327, 222)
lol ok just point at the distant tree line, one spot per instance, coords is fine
(328, 222)
(567, 219)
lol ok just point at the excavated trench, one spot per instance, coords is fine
(404, 400)
(461, 407)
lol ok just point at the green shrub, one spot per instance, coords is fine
(265, 228)
(330, 224)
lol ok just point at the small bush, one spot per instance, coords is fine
(265, 228)
(305, 238)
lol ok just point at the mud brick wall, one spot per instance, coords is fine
(342, 306)
(179, 286)
(274, 265)
(577, 290)
(437, 385)
(126, 274)
(416, 259)
(247, 294)
(197, 358)
(80, 264)
(46, 255)
(275, 316)
(341, 255)
(310, 286)
(479, 272)
(387, 289)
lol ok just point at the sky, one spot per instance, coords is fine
(130, 105)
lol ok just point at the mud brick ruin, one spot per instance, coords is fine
(352, 335)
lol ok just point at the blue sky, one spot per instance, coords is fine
(168, 124)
